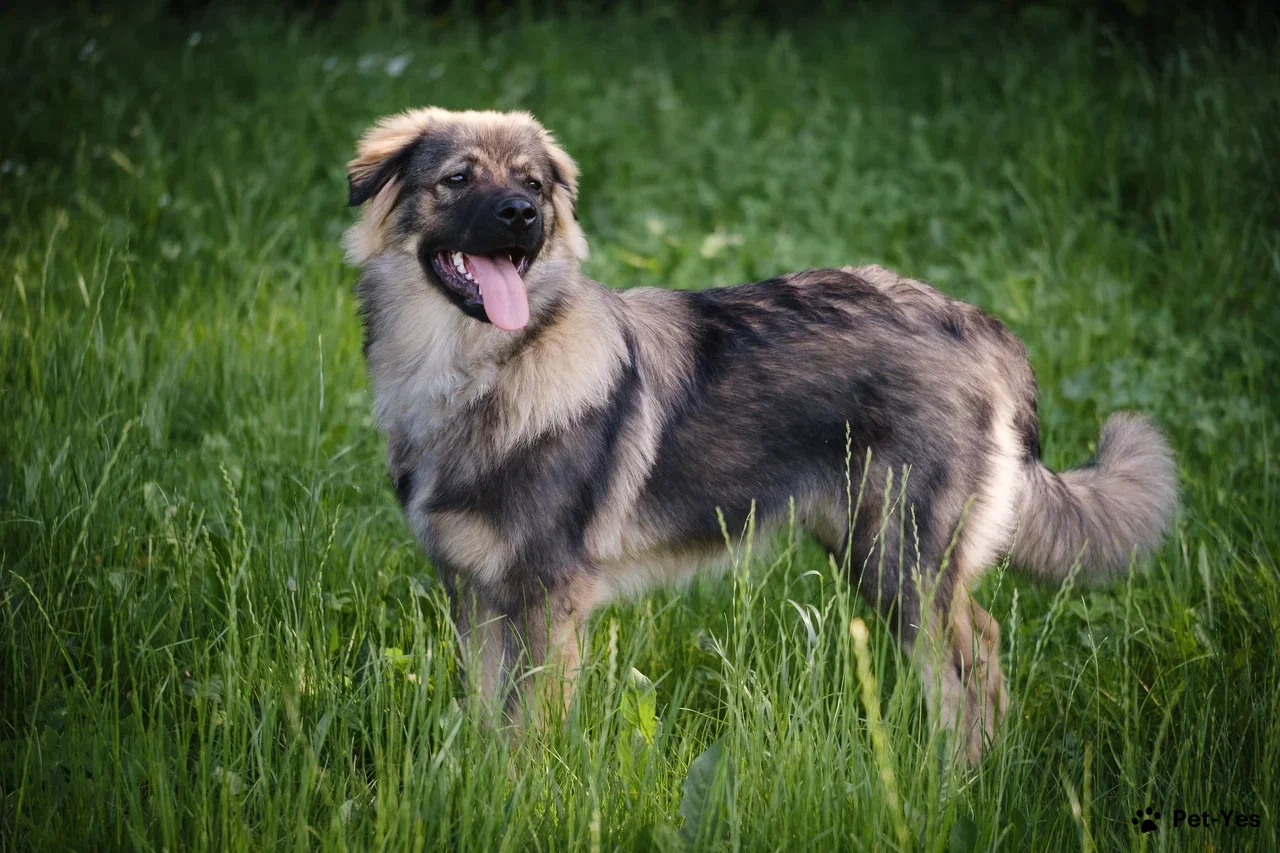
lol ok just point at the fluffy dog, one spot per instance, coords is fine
(556, 444)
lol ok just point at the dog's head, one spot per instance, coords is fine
(484, 200)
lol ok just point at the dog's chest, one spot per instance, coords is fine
(418, 391)
(426, 409)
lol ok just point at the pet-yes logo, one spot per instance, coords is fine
(1148, 819)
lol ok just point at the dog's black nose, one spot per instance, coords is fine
(517, 213)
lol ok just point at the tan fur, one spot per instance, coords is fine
(992, 517)
(567, 370)
(470, 540)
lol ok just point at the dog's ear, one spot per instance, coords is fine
(374, 177)
(383, 153)
(564, 197)
(366, 177)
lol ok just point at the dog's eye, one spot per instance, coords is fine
(457, 180)
(534, 184)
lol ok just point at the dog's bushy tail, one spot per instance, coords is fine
(1104, 514)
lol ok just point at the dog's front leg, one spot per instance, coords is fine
(481, 646)
(523, 659)
(551, 635)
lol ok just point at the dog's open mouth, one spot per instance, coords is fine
(495, 281)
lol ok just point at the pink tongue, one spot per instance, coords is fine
(505, 299)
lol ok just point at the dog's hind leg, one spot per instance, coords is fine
(958, 656)
(960, 662)
(954, 643)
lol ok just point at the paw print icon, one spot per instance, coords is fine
(1148, 823)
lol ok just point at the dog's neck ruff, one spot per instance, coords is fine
(430, 362)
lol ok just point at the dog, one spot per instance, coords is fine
(555, 444)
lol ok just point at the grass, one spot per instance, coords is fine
(217, 632)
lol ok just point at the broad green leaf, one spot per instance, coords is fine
(640, 705)
(698, 805)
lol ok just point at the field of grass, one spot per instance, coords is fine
(216, 632)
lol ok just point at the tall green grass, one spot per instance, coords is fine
(217, 632)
